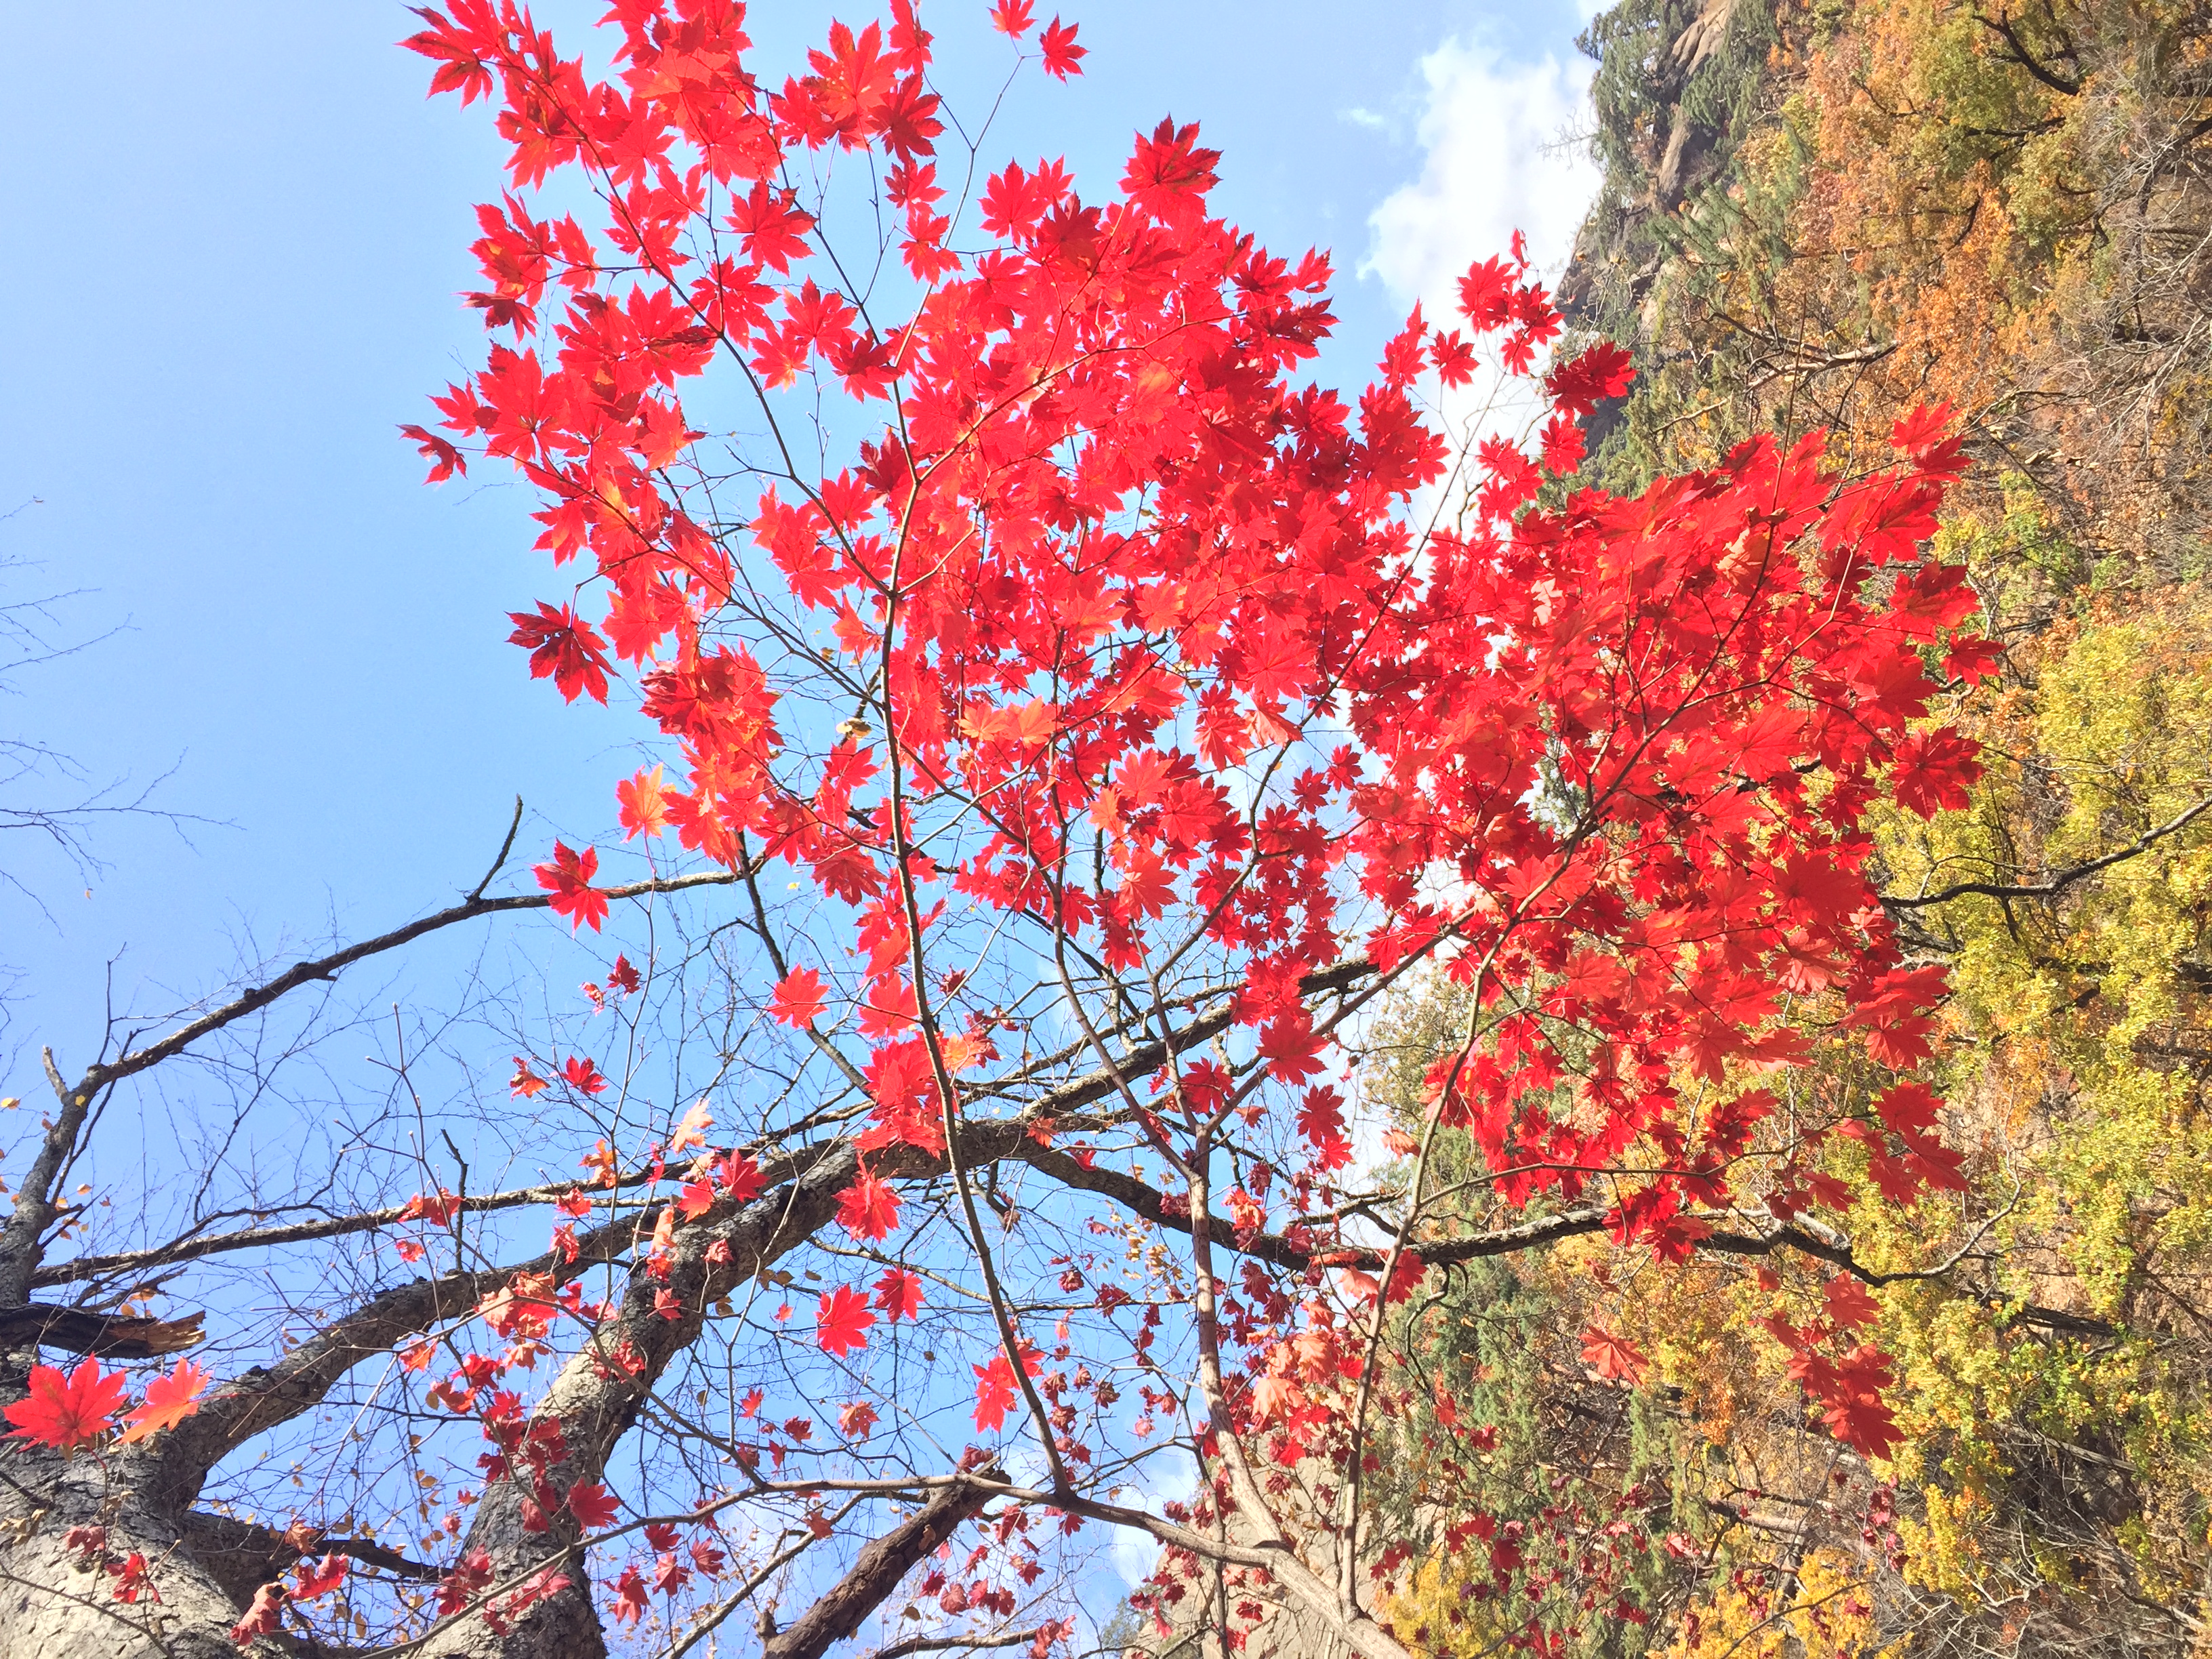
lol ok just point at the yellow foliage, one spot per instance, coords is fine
(1826, 1612)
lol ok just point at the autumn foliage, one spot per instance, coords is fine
(1147, 652)
(1087, 722)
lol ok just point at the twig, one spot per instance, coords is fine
(2050, 885)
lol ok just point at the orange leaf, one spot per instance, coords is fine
(169, 1401)
(1614, 1357)
(643, 801)
(691, 1130)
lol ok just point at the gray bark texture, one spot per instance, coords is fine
(76, 1529)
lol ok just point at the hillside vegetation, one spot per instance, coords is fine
(1816, 217)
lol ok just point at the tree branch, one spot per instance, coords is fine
(939, 1643)
(243, 1555)
(260, 1399)
(326, 968)
(118, 1336)
(877, 1570)
(82, 1267)
(2027, 59)
(2053, 884)
(1059, 1103)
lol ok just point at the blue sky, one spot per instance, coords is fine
(240, 231)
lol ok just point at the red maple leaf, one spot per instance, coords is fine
(461, 47)
(869, 1208)
(1486, 295)
(563, 647)
(1169, 174)
(472, 1573)
(898, 1294)
(569, 878)
(1856, 1412)
(851, 80)
(631, 1600)
(444, 457)
(312, 1580)
(264, 1613)
(1924, 433)
(798, 998)
(1934, 771)
(133, 1578)
(842, 1320)
(65, 1411)
(593, 1505)
(1062, 56)
(1583, 382)
(1614, 1357)
(1562, 446)
(1849, 1303)
(1864, 1423)
(738, 1176)
(772, 224)
(995, 1394)
(1910, 1108)
(1973, 660)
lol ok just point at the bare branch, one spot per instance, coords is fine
(963, 1644)
(2050, 885)
(327, 968)
(109, 1335)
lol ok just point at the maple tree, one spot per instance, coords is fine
(1076, 729)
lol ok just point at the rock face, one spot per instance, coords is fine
(1679, 83)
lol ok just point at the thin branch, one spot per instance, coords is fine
(499, 862)
(2058, 880)
(327, 968)
(82, 1267)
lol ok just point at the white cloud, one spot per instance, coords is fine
(1503, 151)
(1502, 155)
(1172, 1476)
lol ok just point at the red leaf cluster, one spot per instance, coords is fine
(1148, 657)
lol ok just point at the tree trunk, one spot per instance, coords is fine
(58, 1602)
